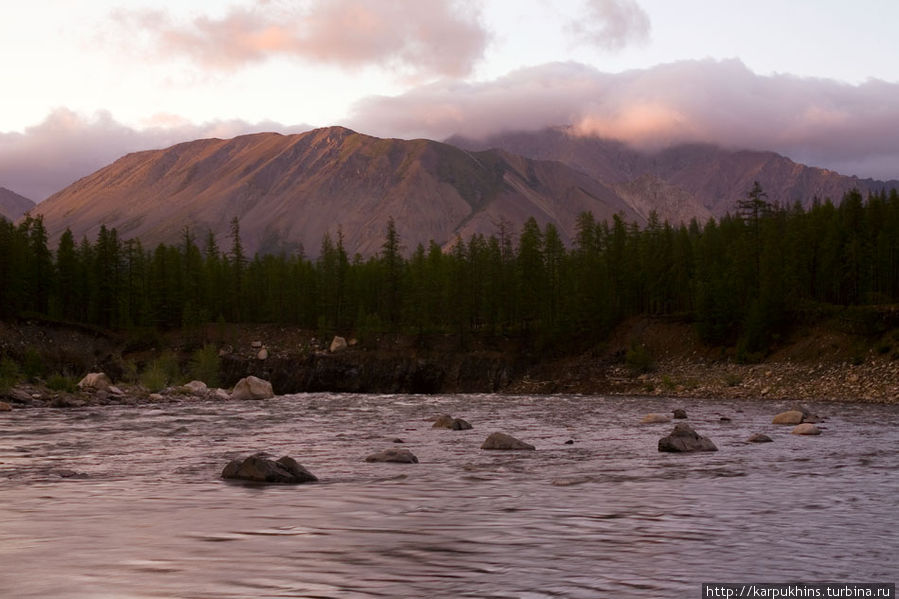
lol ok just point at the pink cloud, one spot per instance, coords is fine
(612, 24)
(850, 128)
(67, 146)
(420, 38)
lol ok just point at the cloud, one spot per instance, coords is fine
(849, 128)
(612, 24)
(420, 38)
(67, 146)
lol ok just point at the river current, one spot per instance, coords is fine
(126, 501)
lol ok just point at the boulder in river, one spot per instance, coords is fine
(679, 414)
(806, 428)
(653, 418)
(448, 422)
(788, 417)
(258, 468)
(759, 438)
(252, 388)
(5, 407)
(443, 421)
(95, 380)
(504, 441)
(401, 456)
(684, 439)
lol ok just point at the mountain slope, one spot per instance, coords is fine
(12, 205)
(291, 190)
(696, 179)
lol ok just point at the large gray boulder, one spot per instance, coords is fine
(684, 439)
(504, 441)
(401, 456)
(258, 468)
(252, 388)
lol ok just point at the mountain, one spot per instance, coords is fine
(290, 190)
(12, 205)
(683, 181)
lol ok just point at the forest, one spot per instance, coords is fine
(743, 280)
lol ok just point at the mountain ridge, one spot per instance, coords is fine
(12, 205)
(288, 191)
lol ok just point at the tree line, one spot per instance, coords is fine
(742, 279)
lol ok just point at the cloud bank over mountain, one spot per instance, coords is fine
(826, 123)
(820, 122)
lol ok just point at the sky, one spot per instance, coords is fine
(87, 82)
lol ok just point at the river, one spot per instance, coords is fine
(126, 501)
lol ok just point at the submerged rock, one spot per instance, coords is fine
(504, 441)
(684, 439)
(788, 417)
(759, 438)
(680, 414)
(806, 428)
(401, 456)
(252, 388)
(258, 468)
(653, 418)
(460, 425)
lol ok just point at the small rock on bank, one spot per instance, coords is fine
(95, 380)
(400, 456)
(504, 441)
(684, 439)
(258, 468)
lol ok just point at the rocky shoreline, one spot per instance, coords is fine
(816, 366)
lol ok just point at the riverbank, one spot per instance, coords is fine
(641, 357)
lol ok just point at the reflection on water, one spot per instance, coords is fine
(125, 502)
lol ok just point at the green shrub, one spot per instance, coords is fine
(205, 365)
(59, 382)
(33, 366)
(9, 373)
(154, 377)
(638, 359)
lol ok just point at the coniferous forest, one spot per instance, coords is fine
(741, 280)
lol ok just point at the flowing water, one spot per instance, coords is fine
(126, 501)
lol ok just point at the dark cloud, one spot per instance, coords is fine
(612, 24)
(67, 146)
(849, 128)
(418, 38)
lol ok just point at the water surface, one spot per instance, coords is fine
(126, 501)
